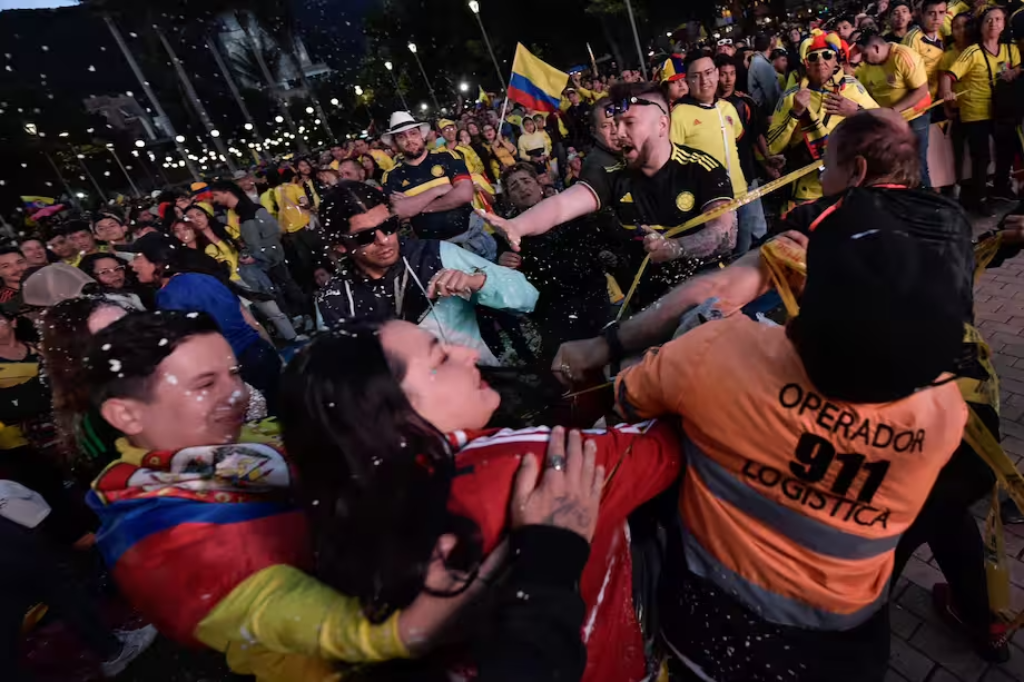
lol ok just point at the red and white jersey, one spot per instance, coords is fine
(640, 461)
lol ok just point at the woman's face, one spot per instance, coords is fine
(144, 269)
(473, 128)
(993, 24)
(464, 138)
(489, 133)
(109, 272)
(304, 168)
(442, 382)
(367, 165)
(198, 218)
(528, 125)
(959, 29)
(185, 234)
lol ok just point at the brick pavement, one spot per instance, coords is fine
(923, 648)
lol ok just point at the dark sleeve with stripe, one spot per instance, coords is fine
(535, 631)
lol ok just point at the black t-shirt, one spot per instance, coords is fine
(678, 192)
(440, 167)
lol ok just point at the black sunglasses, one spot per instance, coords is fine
(623, 106)
(827, 55)
(366, 237)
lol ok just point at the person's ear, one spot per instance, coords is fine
(124, 414)
(860, 171)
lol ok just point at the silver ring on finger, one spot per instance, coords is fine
(556, 462)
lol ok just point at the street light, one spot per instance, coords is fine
(279, 119)
(474, 7)
(179, 139)
(309, 110)
(424, 106)
(359, 91)
(248, 126)
(463, 86)
(389, 66)
(412, 48)
(214, 133)
(140, 144)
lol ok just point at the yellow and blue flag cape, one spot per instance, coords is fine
(535, 84)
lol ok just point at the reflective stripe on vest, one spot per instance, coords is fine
(773, 607)
(804, 530)
(789, 568)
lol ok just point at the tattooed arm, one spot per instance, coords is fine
(717, 238)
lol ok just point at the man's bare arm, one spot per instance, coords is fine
(718, 237)
(734, 287)
(574, 202)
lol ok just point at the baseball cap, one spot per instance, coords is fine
(444, 123)
(22, 506)
(240, 175)
(883, 310)
(52, 284)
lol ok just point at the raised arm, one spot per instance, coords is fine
(578, 200)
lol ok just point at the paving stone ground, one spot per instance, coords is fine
(923, 648)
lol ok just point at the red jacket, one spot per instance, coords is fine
(640, 461)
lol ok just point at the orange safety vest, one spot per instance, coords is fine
(792, 502)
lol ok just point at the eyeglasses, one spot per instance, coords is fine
(367, 237)
(827, 55)
(725, 41)
(109, 271)
(623, 106)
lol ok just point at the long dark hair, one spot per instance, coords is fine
(216, 227)
(64, 344)
(245, 208)
(374, 476)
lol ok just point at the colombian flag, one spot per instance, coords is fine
(535, 84)
(35, 203)
(483, 97)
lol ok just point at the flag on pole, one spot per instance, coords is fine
(34, 203)
(535, 84)
(483, 97)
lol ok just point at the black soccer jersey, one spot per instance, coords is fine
(678, 192)
(441, 167)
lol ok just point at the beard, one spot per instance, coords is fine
(414, 150)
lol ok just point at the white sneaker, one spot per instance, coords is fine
(134, 642)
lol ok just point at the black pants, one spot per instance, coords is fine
(731, 643)
(295, 303)
(978, 134)
(946, 524)
(33, 571)
(261, 369)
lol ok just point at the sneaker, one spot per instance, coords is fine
(133, 643)
(992, 646)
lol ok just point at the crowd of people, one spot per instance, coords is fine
(321, 416)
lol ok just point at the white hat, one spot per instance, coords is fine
(23, 506)
(403, 120)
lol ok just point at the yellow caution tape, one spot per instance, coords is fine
(718, 213)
